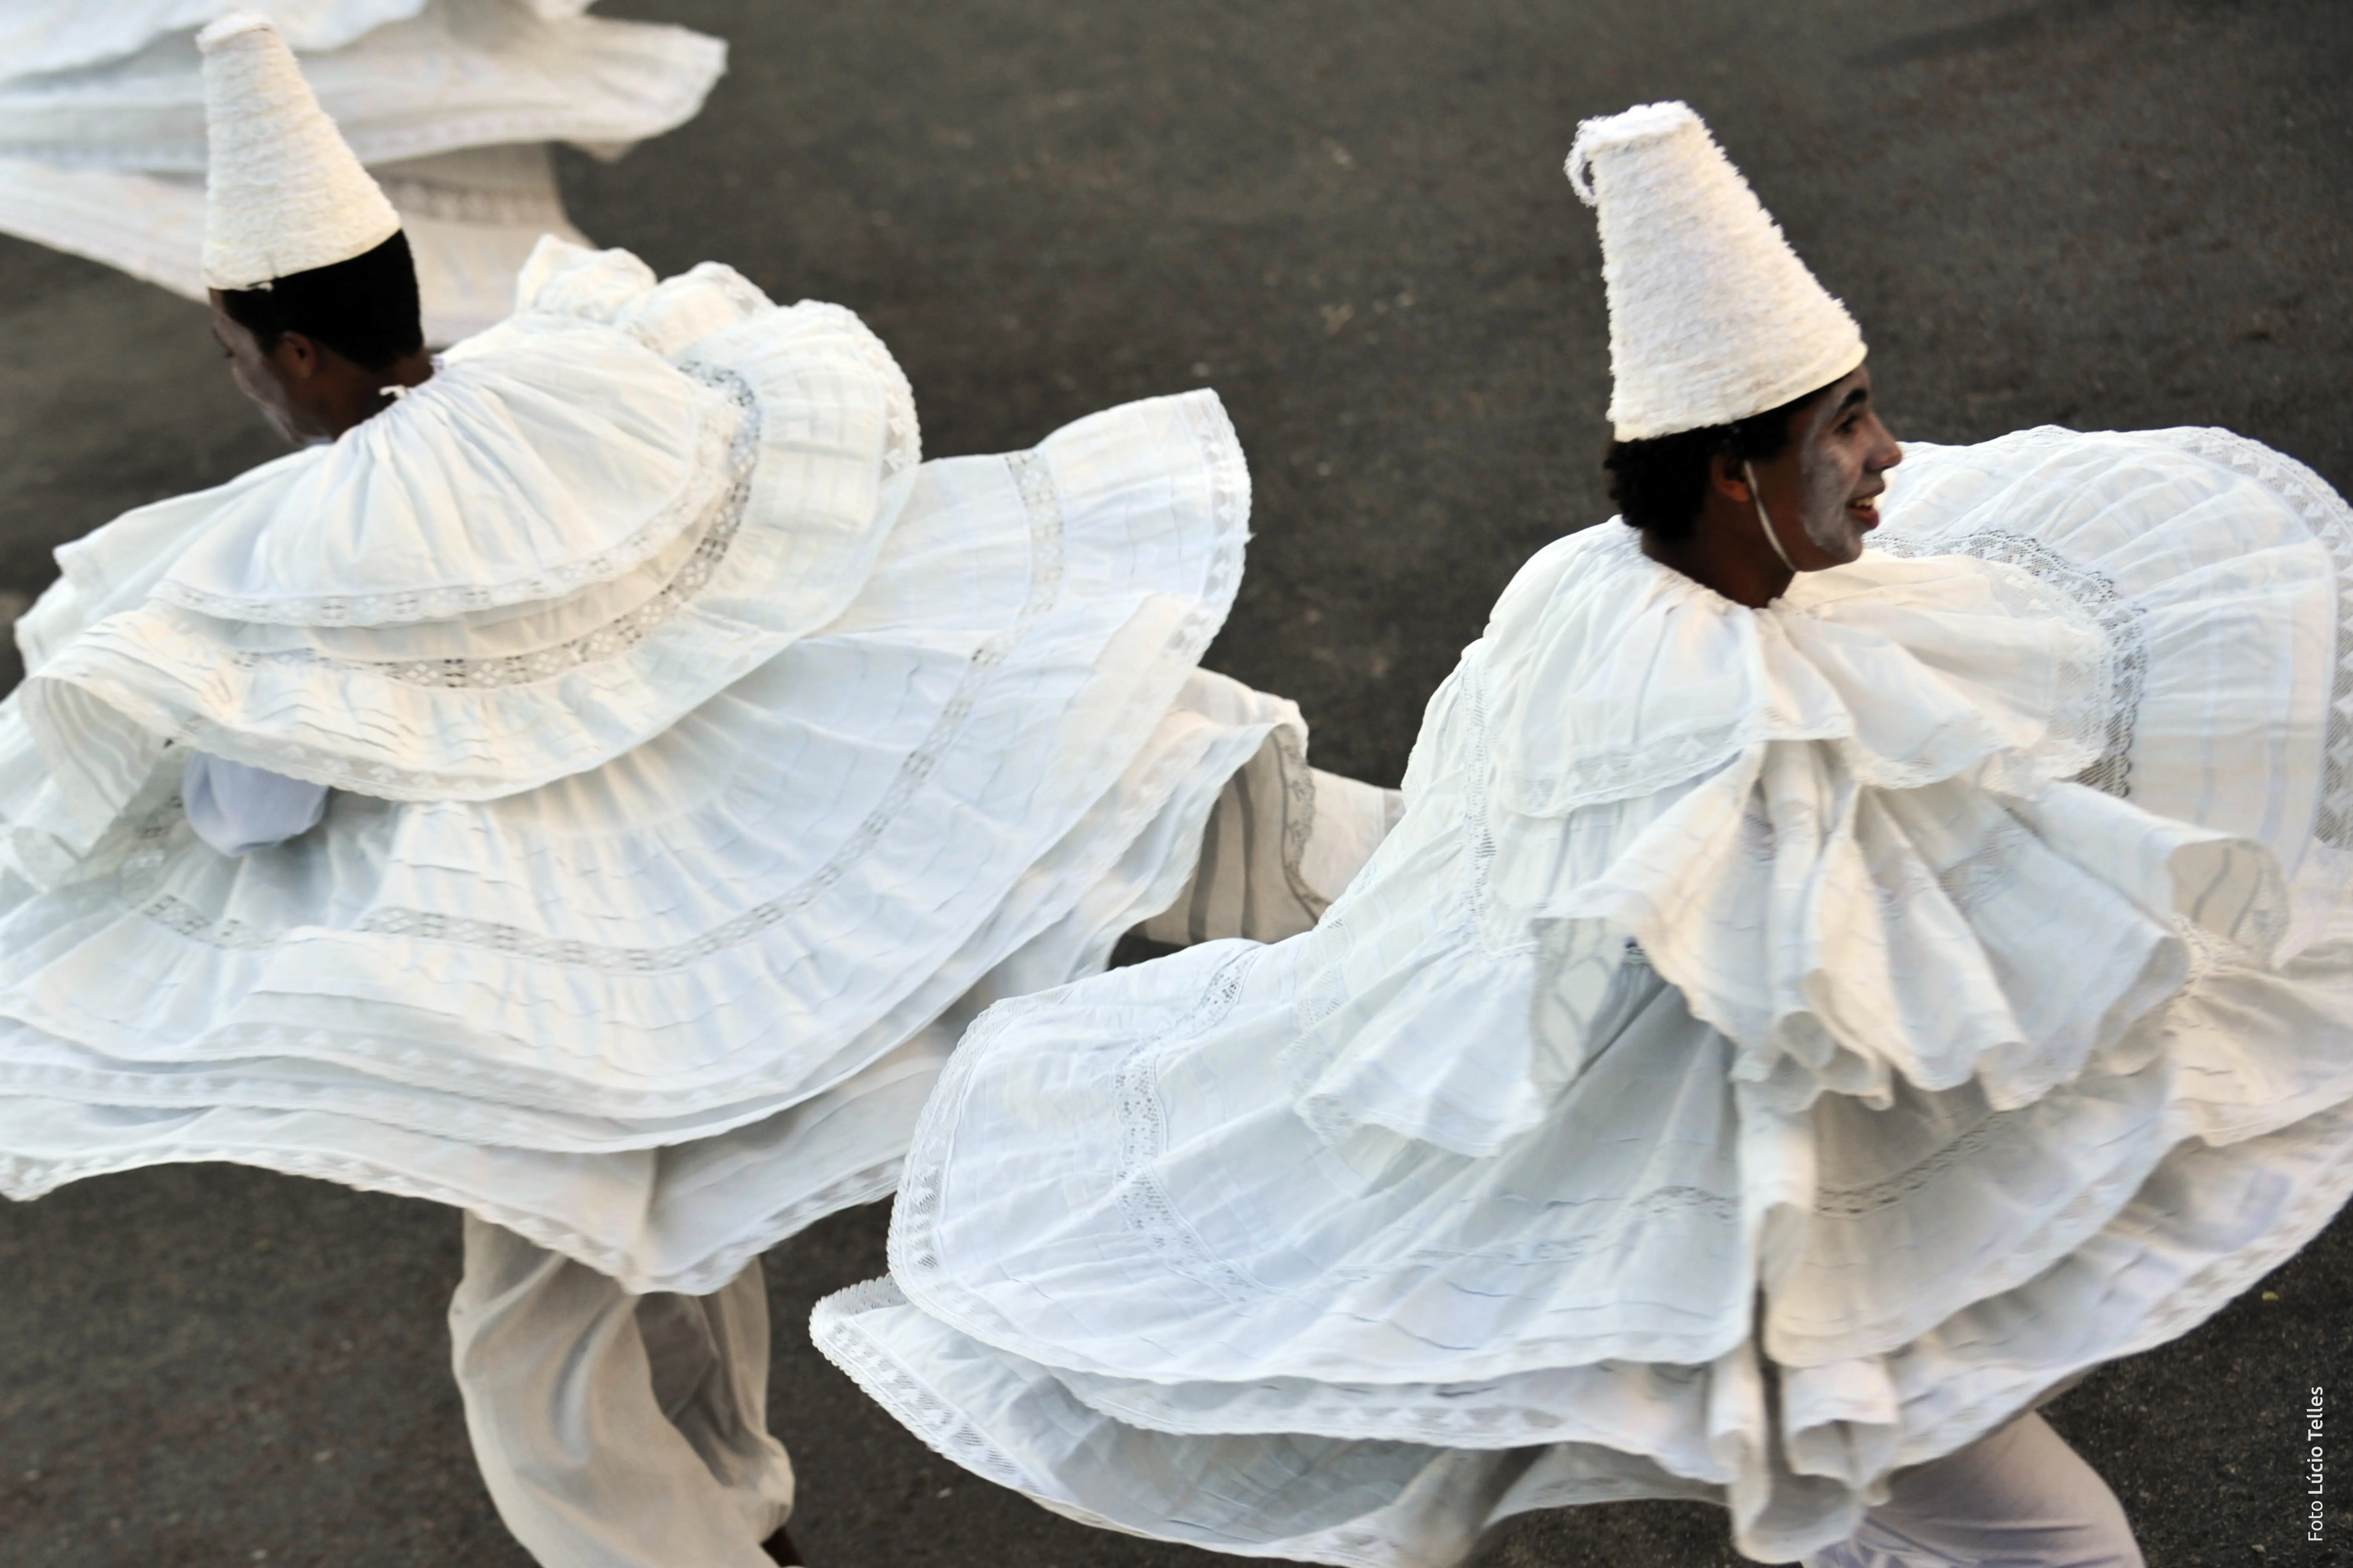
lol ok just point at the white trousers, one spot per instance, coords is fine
(617, 1431)
(2019, 1498)
(1282, 842)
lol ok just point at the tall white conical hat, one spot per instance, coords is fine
(282, 191)
(1712, 316)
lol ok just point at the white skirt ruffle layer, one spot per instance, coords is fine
(688, 1215)
(1209, 1326)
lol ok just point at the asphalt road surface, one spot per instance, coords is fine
(1350, 220)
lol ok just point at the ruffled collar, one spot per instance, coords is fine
(543, 457)
(1612, 676)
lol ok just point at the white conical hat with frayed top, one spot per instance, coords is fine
(1712, 316)
(283, 193)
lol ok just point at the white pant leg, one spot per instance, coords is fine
(2017, 1499)
(617, 1431)
(1282, 841)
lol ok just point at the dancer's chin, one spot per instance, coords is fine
(1842, 543)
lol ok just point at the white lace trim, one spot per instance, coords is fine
(1870, 1197)
(720, 451)
(721, 518)
(2097, 596)
(1144, 1202)
(438, 1070)
(946, 1429)
(1298, 819)
(1032, 474)
(615, 639)
(1442, 1415)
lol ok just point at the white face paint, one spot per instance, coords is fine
(1831, 476)
(1826, 476)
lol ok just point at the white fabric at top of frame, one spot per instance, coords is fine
(449, 74)
(454, 105)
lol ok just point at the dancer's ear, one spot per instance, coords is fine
(1727, 475)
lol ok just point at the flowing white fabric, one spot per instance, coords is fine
(37, 37)
(776, 755)
(2018, 1498)
(452, 104)
(617, 1431)
(1775, 1048)
(456, 73)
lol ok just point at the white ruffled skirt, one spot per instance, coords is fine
(662, 1013)
(1141, 1274)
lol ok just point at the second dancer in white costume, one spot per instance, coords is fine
(591, 785)
(1819, 1002)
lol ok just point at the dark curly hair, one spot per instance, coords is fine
(1657, 484)
(365, 309)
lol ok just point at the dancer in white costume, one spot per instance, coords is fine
(453, 104)
(591, 787)
(1817, 1003)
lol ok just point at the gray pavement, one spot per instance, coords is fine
(1350, 220)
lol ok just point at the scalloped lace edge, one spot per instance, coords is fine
(715, 467)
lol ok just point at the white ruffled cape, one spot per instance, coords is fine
(697, 749)
(1775, 1048)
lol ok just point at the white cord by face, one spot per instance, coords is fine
(1763, 518)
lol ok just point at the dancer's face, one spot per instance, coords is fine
(277, 379)
(1823, 488)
